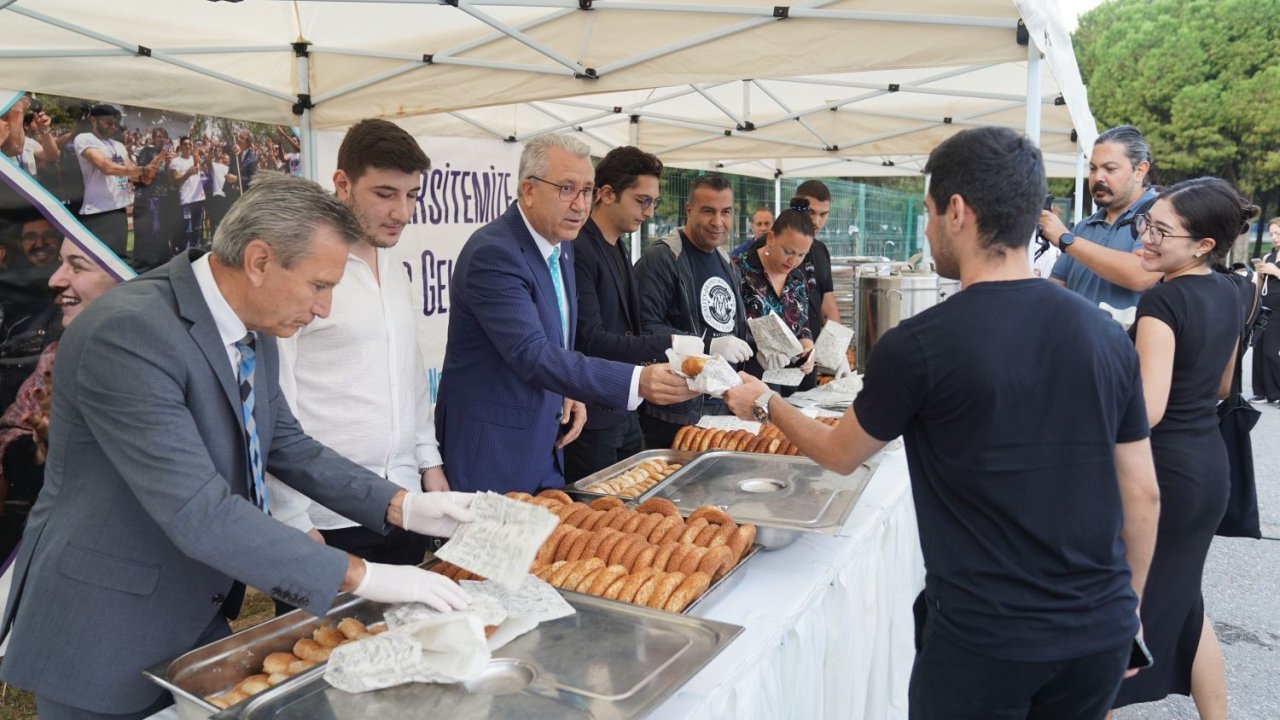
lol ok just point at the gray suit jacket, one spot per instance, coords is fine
(143, 522)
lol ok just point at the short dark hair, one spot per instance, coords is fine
(711, 181)
(381, 144)
(999, 173)
(105, 110)
(621, 166)
(1211, 208)
(1130, 138)
(794, 220)
(815, 189)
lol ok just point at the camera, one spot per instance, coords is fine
(34, 108)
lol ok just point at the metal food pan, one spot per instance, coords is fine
(608, 661)
(783, 496)
(220, 665)
(582, 488)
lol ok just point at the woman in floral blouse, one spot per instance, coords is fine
(774, 281)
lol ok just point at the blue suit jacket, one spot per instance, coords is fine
(506, 369)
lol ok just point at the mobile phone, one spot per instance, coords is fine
(1256, 262)
(1048, 202)
(1140, 657)
(801, 360)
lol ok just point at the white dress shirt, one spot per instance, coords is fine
(545, 247)
(356, 382)
(231, 328)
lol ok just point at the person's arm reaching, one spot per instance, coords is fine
(1115, 266)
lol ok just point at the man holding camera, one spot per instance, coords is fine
(1099, 255)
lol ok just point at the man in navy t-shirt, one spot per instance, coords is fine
(1037, 500)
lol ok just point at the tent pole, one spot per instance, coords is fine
(306, 135)
(1033, 93)
(1079, 212)
(777, 189)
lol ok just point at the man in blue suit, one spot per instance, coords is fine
(627, 180)
(511, 384)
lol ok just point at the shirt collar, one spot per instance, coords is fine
(230, 327)
(544, 246)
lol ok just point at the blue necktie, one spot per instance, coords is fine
(245, 376)
(554, 262)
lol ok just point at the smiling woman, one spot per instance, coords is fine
(24, 427)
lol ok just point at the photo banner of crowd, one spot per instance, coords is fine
(130, 187)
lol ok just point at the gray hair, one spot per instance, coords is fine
(533, 161)
(284, 212)
(1130, 138)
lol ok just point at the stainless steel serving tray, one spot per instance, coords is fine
(582, 488)
(609, 661)
(782, 496)
(219, 665)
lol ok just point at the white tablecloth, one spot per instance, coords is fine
(828, 625)
(829, 631)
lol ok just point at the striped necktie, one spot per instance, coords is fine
(245, 376)
(557, 281)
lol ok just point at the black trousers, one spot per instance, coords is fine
(949, 682)
(660, 434)
(598, 449)
(112, 228)
(1266, 353)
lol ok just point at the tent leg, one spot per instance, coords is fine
(1079, 211)
(1033, 93)
(306, 136)
(777, 194)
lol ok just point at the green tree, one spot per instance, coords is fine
(1198, 77)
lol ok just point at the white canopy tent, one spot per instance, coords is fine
(834, 87)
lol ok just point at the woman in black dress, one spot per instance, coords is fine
(1187, 332)
(1266, 346)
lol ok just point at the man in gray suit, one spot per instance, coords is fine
(154, 506)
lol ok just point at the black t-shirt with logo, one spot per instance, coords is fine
(712, 288)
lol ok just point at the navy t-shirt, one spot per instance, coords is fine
(1011, 397)
(713, 288)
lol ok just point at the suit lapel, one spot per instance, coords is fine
(548, 310)
(192, 308)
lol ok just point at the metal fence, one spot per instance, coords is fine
(864, 220)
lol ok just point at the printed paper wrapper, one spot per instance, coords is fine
(789, 377)
(446, 648)
(514, 612)
(502, 541)
(773, 337)
(833, 341)
(716, 377)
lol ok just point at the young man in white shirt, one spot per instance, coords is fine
(107, 170)
(356, 379)
(186, 169)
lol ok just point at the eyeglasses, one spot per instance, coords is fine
(646, 202)
(1143, 226)
(569, 191)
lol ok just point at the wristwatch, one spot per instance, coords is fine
(1065, 240)
(760, 408)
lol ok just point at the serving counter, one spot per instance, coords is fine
(828, 624)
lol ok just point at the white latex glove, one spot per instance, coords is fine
(731, 349)
(772, 361)
(686, 344)
(843, 370)
(436, 514)
(406, 583)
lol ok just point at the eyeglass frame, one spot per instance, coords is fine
(47, 235)
(1142, 224)
(567, 191)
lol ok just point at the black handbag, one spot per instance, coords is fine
(1236, 419)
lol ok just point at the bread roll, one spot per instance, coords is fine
(689, 590)
(713, 515)
(278, 662)
(661, 506)
(558, 495)
(607, 503)
(664, 553)
(253, 684)
(693, 366)
(328, 636)
(645, 591)
(692, 528)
